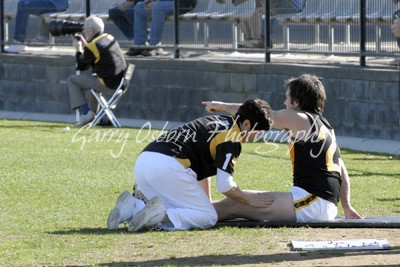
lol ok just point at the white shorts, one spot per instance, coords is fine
(312, 208)
(186, 203)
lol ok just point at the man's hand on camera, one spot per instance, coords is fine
(78, 45)
(78, 42)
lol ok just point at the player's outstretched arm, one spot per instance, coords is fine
(218, 106)
(349, 211)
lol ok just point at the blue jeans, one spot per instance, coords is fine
(272, 25)
(123, 20)
(158, 13)
(34, 7)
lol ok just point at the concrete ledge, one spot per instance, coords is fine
(70, 119)
(354, 143)
(369, 145)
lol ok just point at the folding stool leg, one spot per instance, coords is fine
(112, 118)
(108, 112)
(77, 115)
(104, 110)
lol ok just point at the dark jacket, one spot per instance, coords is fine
(103, 54)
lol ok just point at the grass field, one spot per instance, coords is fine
(58, 187)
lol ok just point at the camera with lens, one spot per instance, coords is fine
(64, 27)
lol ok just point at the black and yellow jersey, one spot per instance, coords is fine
(203, 145)
(104, 55)
(315, 160)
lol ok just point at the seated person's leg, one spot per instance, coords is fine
(160, 11)
(120, 20)
(77, 85)
(101, 88)
(129, 15)
(25, 8)
(140, 25)
(281, 209)
(38, 7)
(186, 203)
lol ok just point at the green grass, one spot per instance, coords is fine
(57, 188)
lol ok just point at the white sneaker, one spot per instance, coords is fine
(124, 210)
(152, 214)
(16, 48)
(85, 119)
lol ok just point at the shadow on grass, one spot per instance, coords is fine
(379, 158)
(239, 260)
(353, 173)
(90, 231)
(105, 231)
(36, 126)
(389, 199)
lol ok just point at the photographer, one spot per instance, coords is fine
(102, 53)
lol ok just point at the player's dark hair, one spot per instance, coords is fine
(308, 91)
(258, 112)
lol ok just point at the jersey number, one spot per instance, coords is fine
(227, 160)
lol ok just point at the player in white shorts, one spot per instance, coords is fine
(320, 178)
(309, 207)
(172, 170)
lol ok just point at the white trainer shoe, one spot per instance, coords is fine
(152, 214)
(124, 209)
(16, 48)
(85, 119)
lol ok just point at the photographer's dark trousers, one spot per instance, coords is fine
(80, 85)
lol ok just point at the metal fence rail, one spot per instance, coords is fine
(353, 28)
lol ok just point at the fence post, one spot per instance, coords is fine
(362, 33)
(2, 25)
(87, 8)
(176, 29)
(267, 31)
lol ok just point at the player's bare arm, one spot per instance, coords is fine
(349, 211)
(219, 106)
(291, 120)
(254, 200)
(285, 119)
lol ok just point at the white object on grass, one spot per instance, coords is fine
(352, 244)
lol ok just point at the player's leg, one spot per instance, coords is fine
(281, 209)
(186, 203)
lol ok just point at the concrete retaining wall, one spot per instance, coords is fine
(361, 102)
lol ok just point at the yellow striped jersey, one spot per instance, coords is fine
(315, 160)
(203, 145)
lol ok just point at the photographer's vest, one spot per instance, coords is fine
(106, 58)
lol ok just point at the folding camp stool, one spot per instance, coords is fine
(108, 105)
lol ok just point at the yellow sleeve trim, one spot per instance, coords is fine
(230, 135)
